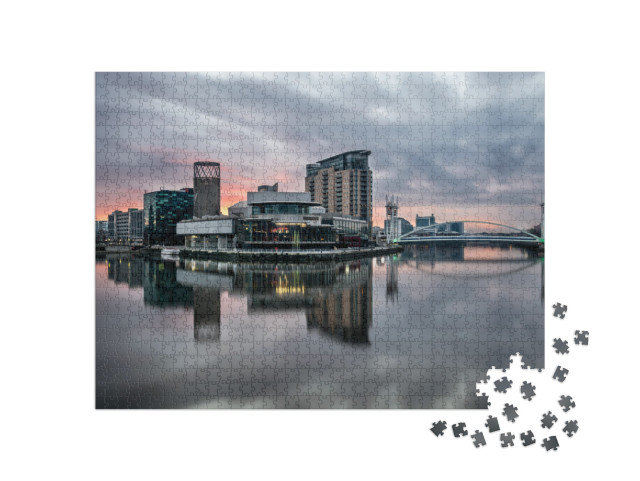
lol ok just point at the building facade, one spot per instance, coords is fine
(163, 210)
(268, 220)
(102, 230)
(405, 226)
(343, 184)
(206, 186)
(349, 231)
(425, 221)
(125, 227)
(283, 220)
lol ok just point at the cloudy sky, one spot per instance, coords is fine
(462, 146)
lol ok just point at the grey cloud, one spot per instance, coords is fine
(467, 138)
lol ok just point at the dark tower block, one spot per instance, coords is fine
(206, 184)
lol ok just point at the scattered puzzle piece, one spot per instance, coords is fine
(571, 427)
(527, 438)
(439, 428)
(506, 439)
(511, 412)
(559, 310)
(459, 430)
(548, 420)
(502, 385)
(478, 439)
(561, 347)
(528, 390)
(551, 443)
(492, 424)
(560, 374)
(582, 337)
(567, 403)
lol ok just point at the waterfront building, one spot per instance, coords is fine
(125, 227)
(135, 226)
(240, 209)
(111, 225)
(405, 226)
(268, 219)
(342, 184)
(284, 220)
(102, 229)
(206, 186)
(214, 232)
(425, 221)
(163, 210)
(350, 231)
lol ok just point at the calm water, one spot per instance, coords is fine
(415, 330)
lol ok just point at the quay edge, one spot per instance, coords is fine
(287, 257)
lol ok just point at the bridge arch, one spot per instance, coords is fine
(432, 226)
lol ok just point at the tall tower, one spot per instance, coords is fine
(206, 184)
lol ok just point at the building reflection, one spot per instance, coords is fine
(344, 310)
(392, 279)
(336, 298)
(161, 287)
(125, 270)
(206, 314)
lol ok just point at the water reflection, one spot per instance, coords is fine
(335, 299)
(412, 331)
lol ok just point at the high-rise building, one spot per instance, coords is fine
(342, 184)
(206, 186)
(163, 209)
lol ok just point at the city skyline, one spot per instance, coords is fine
(461, 146)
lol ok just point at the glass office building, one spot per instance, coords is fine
(163, 209)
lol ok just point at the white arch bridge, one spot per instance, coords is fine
(433, 233)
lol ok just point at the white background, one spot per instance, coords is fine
(51, 51)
